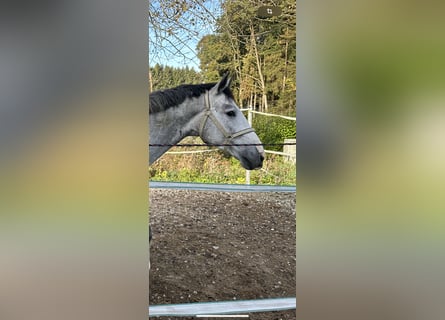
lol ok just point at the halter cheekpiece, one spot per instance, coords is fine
(210, 113)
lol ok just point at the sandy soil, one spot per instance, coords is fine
(217, 246)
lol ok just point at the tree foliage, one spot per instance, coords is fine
(273, 130)
(259, 52)
(163, 77)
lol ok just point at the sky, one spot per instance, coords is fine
(177, 61)
(183, 39)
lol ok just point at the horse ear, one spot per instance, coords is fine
(223, 83)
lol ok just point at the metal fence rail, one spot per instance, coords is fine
(223, 307)
(220, 187)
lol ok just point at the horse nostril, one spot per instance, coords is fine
(262, 156)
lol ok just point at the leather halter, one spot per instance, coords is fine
(210, 113)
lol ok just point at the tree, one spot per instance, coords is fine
(215, 59)
(260, 53)
(163, 77)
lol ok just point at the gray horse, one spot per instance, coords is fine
(205, 110)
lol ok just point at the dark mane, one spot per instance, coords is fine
(165, 99)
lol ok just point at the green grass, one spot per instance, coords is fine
(214, 167)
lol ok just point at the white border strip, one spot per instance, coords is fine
(222, 307)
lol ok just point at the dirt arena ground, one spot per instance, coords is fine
(218, 246)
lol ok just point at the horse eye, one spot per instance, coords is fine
(231, 113)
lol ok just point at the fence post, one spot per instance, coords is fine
(291, 150)
(249, 119)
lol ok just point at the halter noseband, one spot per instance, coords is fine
(210, 113)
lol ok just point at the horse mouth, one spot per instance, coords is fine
(251, 160)
(248, 164)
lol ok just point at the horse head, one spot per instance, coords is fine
(224, 124)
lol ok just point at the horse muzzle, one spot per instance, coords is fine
(252, 160)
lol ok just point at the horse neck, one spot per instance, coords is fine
(174, 124)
